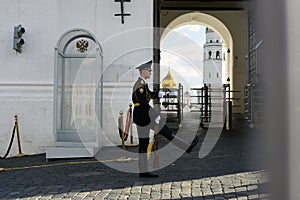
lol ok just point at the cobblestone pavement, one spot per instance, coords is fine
(245, 185)
(231, 171)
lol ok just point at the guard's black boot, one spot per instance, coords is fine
(188, 147)
(193, 144)
(183, 144)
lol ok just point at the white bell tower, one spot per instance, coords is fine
(213, 58)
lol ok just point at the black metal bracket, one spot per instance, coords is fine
(122, 14)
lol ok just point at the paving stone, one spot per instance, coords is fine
(196, 194)
(175, 196)
(88, 198)
(44, 198)
(253, 196)
(242, 198)
(206, 191)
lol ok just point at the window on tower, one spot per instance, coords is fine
(209, 54)
(218, 55)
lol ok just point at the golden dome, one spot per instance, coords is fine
(169, 81)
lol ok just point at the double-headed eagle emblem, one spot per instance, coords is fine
(82, 45)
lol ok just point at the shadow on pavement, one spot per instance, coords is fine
(238, 150)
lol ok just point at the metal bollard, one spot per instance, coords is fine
(228, 118)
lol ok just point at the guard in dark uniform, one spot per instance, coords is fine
(146, 118)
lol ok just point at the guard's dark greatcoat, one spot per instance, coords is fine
(143, 113)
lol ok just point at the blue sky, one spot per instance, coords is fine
(182, 51)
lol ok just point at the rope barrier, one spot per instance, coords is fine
(131, 144)
(120, 124)
(15, 128)
(10, 143)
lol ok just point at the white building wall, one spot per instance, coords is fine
(26, 79)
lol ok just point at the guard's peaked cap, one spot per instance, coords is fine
(144, 66)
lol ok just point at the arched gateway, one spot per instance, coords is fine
(233, 33)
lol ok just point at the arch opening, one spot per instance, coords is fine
(217, 26)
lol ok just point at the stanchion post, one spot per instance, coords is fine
(130, 123)
(131, 144)
(20, 154)
(121, 126)
(122, 129)
(156, 157)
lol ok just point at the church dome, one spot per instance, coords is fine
(169, 81)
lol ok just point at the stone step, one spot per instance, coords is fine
(75, 144)
(70, 152)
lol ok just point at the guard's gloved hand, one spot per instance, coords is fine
(157, 120)
(160, 94)
(151, 134)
